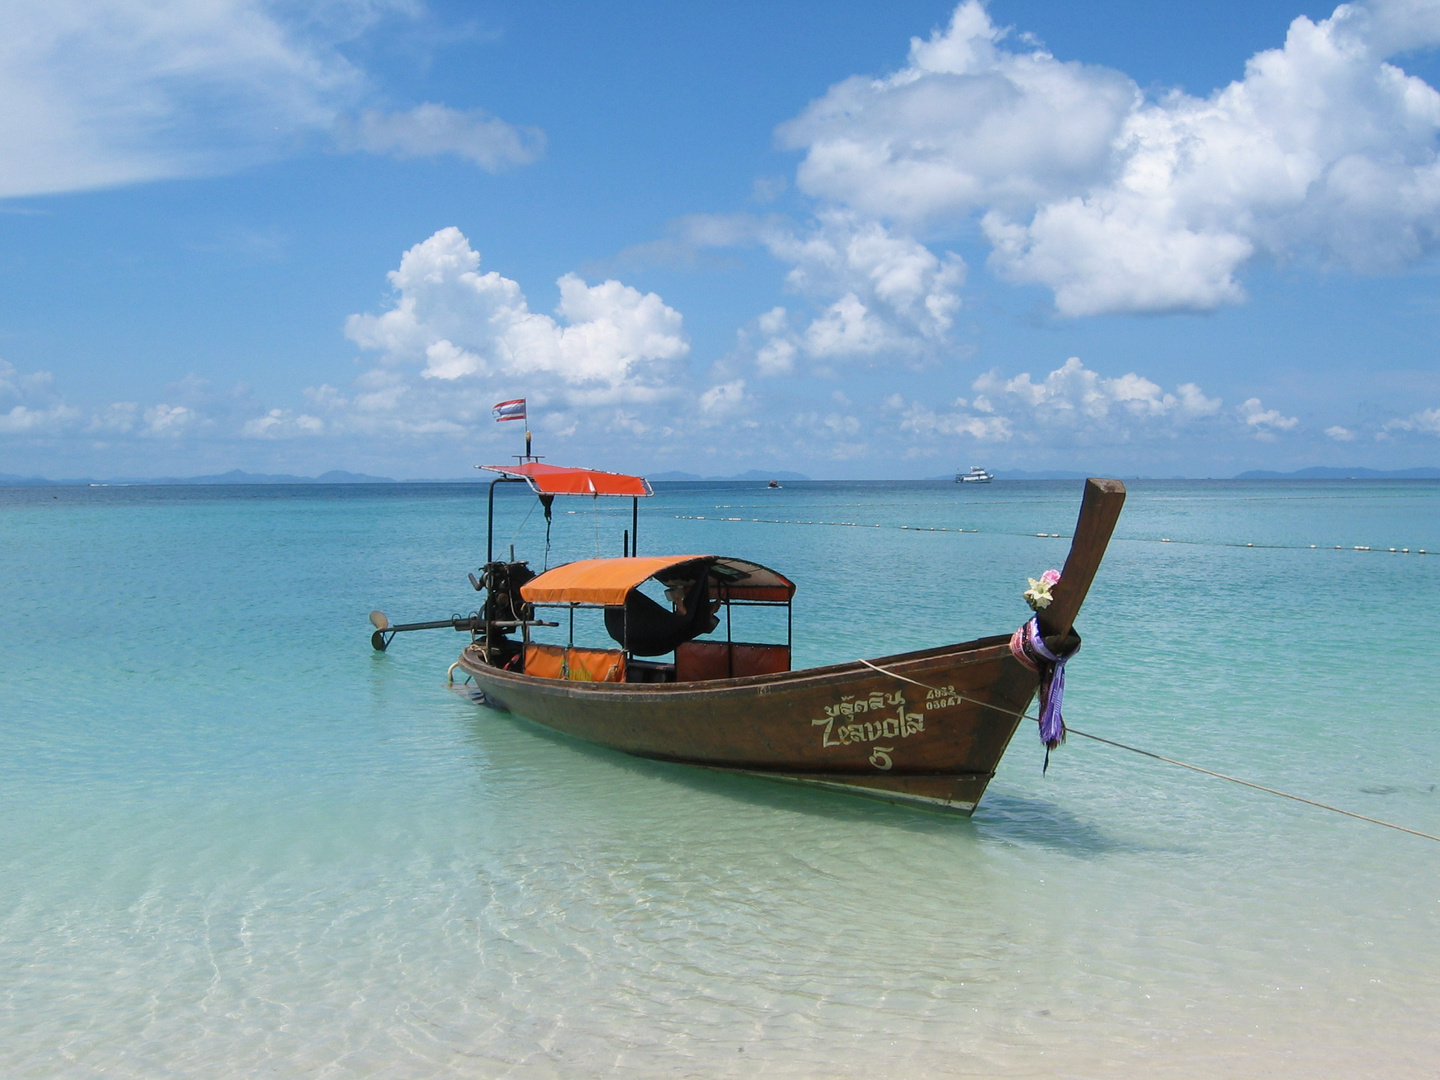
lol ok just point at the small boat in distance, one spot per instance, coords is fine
(773, 484)
(976, 475)
(926, 727)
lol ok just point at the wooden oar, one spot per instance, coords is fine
(1099, 510)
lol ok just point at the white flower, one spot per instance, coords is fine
(1038, 595)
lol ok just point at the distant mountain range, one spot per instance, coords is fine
(1319, 472)
(339, 476)
(1325, 472)
(753, 474)
(235, 476)
(1052, 474)
(1044, 474)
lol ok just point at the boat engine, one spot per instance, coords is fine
(504, 609)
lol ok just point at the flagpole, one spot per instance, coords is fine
(515, 410)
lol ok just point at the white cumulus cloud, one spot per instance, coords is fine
(1074, 393)
(777, 355)
(30, 406)
(282, 424)
(893, 295)
(117, 418)
(928, 422)
(1426, 421)
(170, 421)
(723, 399)
(611, 342)
(454, 338)
(874, 294)
(1324, 150)
(23, 420)
(1264, 422)
(1070, 404)
(1114, 255)
(966, 123)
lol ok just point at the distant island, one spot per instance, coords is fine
(753, 474)
(234, 476)
(1044, 474)
(1325, 472)
(340, 476)
(1058, 474)
(1318, 472)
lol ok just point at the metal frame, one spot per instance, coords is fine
(490, 523)
(632, 541)
(788, 605)
(728, 601)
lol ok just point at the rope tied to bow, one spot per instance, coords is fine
(1028, 646)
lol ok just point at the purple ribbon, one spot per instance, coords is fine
(1030, 649)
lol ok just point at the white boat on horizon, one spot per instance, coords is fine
(976, 475)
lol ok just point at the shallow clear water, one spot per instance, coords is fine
(235, 842)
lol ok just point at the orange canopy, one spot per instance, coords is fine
(598, 581)
(609, 581)
(559, 480)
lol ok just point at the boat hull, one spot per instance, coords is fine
(845, 726)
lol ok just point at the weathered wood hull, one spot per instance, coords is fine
(844, 726)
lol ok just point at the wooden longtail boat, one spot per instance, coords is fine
(927, 727)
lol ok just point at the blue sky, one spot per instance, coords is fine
(856, 240)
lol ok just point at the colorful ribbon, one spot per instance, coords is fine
(1028, 646)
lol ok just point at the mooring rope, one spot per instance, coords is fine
(1161, 757)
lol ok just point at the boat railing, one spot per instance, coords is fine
(699, 658)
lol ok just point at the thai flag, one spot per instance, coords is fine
(510, 410)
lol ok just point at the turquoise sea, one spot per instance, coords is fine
(236, 842)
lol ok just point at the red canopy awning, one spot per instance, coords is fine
(559, 480)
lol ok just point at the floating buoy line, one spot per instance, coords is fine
(1059, 536)
(1169, 760)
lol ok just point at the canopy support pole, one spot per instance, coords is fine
(490, 521)
(634, 525)
(729, 637)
